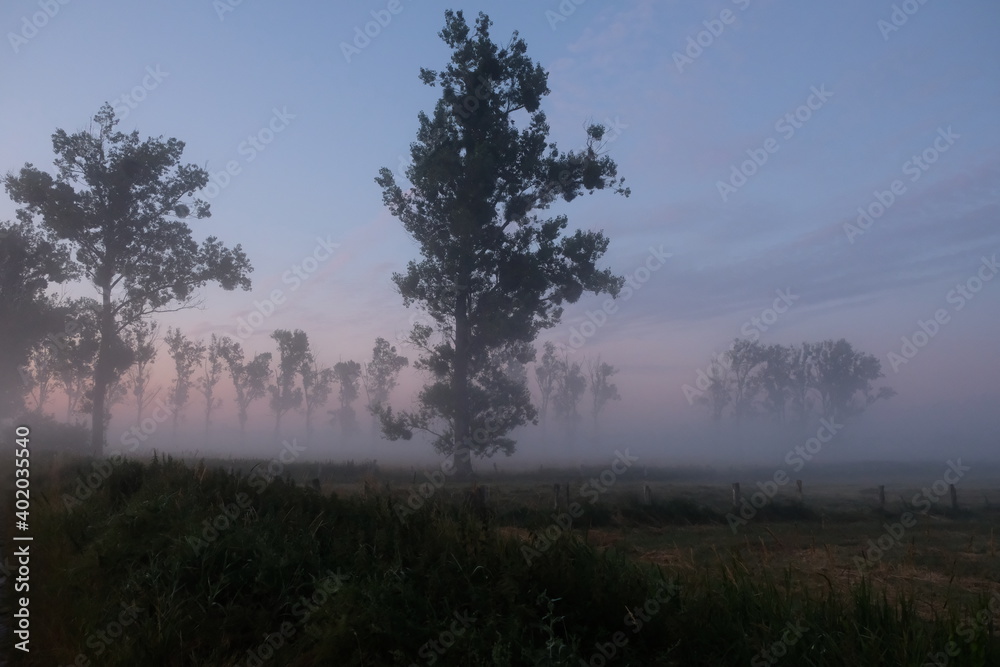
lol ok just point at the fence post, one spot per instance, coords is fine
(798, 486)
(881, 497)
(647, 495)
(954, 497)
(736, 494)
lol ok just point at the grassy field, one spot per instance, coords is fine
(169, 562)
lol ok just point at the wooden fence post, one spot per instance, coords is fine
(798, 487)
(647, 495)
(736, 494)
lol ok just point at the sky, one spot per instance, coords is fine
(837, 162)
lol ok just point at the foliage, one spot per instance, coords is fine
(28, 265)
(249, 377)
(492, 273)
(122, 204)
(293, 350)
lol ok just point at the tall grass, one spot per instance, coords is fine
(342, 581)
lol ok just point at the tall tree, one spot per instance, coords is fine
(143, 337)
(316, 388)
(211, 373)
(347, 375)
(28, 264)
(570, 385)
(601, 388)
(77, 344)
(187, 355)
(546, 374)
(293, 349)
(122, 203)
(746, 360)
(41, 374)
(249, 377)
(492, 273)
(845, 379)
(776, 380)
(379, 376)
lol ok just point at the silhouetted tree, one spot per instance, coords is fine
(249, 378)
(845, 377)
(28, 264)
(601, 388)
(347, 375)
(492, 274)
(746, 360)
(316, 388)
(211, 373)
(545, 375)
(293, 348)
(77, 345)
(142, 337)
(570, 385)
(122, 204)
(379, 376)
(186, 354)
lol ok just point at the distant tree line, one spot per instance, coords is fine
(786, 383)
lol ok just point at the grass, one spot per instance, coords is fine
(195, 564)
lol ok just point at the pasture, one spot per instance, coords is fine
(215, 562)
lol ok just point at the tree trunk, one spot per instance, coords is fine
(102, 375)
(460, 383)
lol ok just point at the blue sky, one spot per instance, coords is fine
(687, 119)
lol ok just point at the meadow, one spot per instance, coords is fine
(168, 561)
